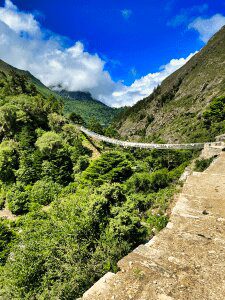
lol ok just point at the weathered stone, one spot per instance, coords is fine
(186, 260)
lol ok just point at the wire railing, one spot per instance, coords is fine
(143, 145)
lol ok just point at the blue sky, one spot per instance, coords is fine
(124, 41)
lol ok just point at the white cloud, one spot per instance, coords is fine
(25, 45)
(144, 86)
(126, 13)
(207, 27)
(18, 21)
(46, 58)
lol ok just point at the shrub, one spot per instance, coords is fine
(168, 159)
(6, 236)
(160, 179)
(18, 198)
(215, 112)
(139, 182)
(8, 160)
(58, 168)
(157, 222)
(202, 164)
(145, 182)
(44, 192)
(110, 167)
(56, 122)
(127, 226)
(70, 134)
(49, 142)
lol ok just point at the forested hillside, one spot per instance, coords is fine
(88, 108)
(80, 103)
(189, 104)
(74, 216)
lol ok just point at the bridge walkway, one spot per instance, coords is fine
(145, 145)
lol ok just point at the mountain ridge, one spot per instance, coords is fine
(79, 102)
(175, 108)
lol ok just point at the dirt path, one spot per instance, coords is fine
(95, 152)
(6, 214)
(186, 260)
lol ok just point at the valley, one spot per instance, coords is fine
(74, 202)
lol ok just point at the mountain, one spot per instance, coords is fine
(83, 104)
(177, 110)
(79, 102)
(77, 95)
(9, 70)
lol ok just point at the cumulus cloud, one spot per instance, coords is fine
(126, 13)
(207, 27)
(26, 45)
(18, 21)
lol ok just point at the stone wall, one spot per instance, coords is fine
(185, 260)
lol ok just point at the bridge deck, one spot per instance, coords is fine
(144, 145)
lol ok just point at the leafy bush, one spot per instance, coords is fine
(139, 182)
(8, 160)
(44, 192)
(157, 222)
(56, 122)
(6, 236)
(58, 167)
(82, 164)
(160, 179)
(202, 164)
(110, 167)
(18, 198)
(215, 112)
(168, 159)
(49, 143)
(145, 182)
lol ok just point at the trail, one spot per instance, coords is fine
(186, 260)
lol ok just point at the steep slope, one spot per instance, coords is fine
(174, 111)
(83, 104)
(79, 102)
(9, 70)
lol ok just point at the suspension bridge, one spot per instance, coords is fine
(126, 144)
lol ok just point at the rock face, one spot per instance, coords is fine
(174, 110)
(186, 260)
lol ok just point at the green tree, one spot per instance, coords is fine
(7, 120)
(110, 167)
(6, 236)
(44, 192)
(56, 122)
(8, 160)
(49, 143)
(95, 126)
(76, 119)
(30, 166)
(18, 198)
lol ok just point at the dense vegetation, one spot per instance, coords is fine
(202, 164)
(76, 217)
(88, 108)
